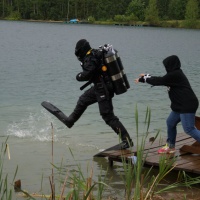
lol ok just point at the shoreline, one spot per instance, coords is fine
(162, 24)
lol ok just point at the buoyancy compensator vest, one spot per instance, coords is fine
(113, 65)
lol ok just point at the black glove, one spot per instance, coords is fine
(78, 77)
(141, 79)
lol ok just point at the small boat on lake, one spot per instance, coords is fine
(76, 21)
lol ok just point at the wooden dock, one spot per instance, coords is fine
(187, 153)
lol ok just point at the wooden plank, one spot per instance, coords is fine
(152, 155)
(112, 149)
(182, 138)
(148, 146)
(118, 153)
(181, 160)
(189, 158)
(184, 161)
(191, 149)
(103, 154)
(192, 166)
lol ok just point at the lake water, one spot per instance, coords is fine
(38, 63)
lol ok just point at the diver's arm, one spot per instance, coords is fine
(89, 68)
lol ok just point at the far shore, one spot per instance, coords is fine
(163, 24)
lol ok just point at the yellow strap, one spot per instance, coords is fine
(89, 52)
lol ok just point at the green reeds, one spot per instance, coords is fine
(139, 176)
(136, 177)
(5, 191)
(139, 182)
(82, 188)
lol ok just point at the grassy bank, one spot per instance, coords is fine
(164, 24)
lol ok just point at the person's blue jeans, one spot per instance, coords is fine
(188, 123)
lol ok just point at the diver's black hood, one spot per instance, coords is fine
(82, 47)
(172, 63)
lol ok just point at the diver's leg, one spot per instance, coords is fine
(106, 111)
(86, 99)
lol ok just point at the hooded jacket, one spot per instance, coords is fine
(183, 98)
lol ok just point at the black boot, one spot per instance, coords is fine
(66, 120)
(127, 144)
(119, 128)
(75, 115)
(126, 141)
(58, 113)
(63, 118)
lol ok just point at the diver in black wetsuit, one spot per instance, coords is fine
(101, 92)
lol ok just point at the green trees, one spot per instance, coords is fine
(177, 9)
(192, 10)
(163, 6)
(151, 11)
(151, 14)
(107, 9)
(191, 14)
(136, 8)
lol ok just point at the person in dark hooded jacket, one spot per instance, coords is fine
(184, 102)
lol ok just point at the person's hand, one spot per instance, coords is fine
(138, 79)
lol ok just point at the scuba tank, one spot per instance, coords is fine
(114, 70)
(121, 67)
(111, 65)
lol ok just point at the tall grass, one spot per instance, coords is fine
(5, 191)
(82, 188)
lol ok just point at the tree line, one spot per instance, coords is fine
(101, 10)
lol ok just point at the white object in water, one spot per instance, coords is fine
(134, 159)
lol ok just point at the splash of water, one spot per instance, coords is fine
(36, 127)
